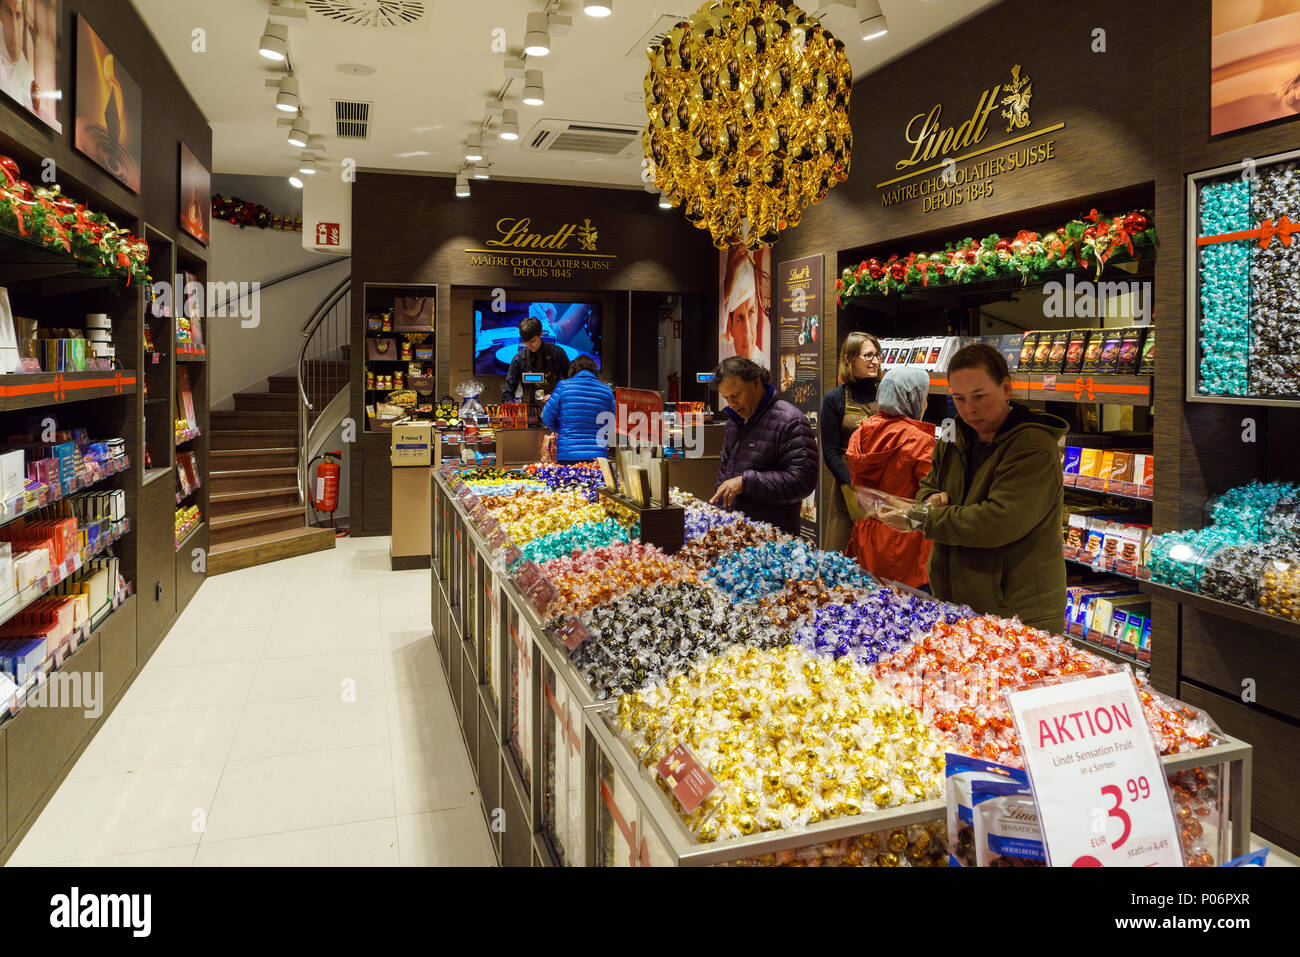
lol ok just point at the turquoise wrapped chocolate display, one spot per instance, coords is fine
(1223, 274)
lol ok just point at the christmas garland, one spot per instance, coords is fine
(54, 220)
(1080, 243)
(241, 213)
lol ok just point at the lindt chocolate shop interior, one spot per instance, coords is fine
(599, 435)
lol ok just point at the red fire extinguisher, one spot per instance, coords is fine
(323, 492)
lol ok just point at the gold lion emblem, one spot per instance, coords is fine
(1019, 91)
(587, 236)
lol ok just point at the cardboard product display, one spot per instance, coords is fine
(412, 533)
(413, 444)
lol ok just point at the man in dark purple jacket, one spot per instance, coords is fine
(769, 454)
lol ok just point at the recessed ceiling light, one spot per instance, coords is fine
(598, 8)
(410, 154)
(355, 69)
(537, 40)
(274, 44)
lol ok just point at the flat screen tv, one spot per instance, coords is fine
(573, 326)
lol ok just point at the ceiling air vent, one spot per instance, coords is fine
(569, 136)
(372, 13)
(352, 119)
(658, 30)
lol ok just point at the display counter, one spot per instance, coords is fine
(560, 787)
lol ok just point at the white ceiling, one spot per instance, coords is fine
(430, 84)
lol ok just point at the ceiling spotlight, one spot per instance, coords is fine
(473, 148)
(287, 98)
(462, 186)
(537, 39)
(308, 167)
(480, 170)
(274, 44)
(598, 8)
(534, 94)
(510, 125)
(295, 182)
(871, 19)
(665, 201)
(298, 135)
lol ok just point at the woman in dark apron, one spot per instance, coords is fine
(843, 408)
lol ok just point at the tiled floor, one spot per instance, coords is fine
(295, 715)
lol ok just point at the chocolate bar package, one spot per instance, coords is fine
(1042, 351)
(1028, 346)
(1147, 362)
(1092, 354)
(1129, 352)
(1056, 354)
(1074, 351)
(1106, 365)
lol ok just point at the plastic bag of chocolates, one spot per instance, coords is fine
(960, 773)
(1007, 833)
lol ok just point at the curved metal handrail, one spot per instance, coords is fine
(308, 331)
(313, 322)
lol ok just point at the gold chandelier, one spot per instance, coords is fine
(749, 118)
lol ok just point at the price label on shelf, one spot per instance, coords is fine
(542, 594)
(513, 554)
(573, 632)
(472, 502)
(689, 782)
(527, 577)
(1101, 792)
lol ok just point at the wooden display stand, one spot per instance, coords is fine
(661, 526)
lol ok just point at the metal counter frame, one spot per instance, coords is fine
(513, 806)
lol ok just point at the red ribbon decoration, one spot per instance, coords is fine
(1265, 233)
(628, 830)
(566, 722)
(1084, 387)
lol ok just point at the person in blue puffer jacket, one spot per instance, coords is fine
(576, 411)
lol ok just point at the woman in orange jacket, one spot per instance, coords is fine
(891, 452)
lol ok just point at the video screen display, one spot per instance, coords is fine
(573, 326)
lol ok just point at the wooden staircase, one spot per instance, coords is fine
(256, 516)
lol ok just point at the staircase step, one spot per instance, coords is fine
(269, 547)
(255, 420)
(224, 504)
(230, 439)
(229, 528)
(248, 480)
(279, 385)
(232, 460)
(282, 383)
(265, 402)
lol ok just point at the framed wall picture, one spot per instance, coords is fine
(110, 109)
(29, 57)
(1254, 62)
(196, 196)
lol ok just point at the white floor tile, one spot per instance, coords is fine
(205, 646)
(159, 688)
(291, 792)
(296, 725)
(411, 657)
(309, 676)
(453, 838)
(112, 814)
(294, 635)
(362, 844)
(164, 857)
(167, 739)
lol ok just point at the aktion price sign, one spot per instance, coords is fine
(1097, 780)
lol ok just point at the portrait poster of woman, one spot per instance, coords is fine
(745, 300)
(110, 109)
(29, 57)
(196, 196)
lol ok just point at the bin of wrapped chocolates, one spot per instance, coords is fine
(807, 690)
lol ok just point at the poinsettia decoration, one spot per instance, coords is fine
(242, 213)
(47, 217)
(1086, 243)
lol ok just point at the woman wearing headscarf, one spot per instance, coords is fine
(891, 452)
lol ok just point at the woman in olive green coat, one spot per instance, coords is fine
(992, 501)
